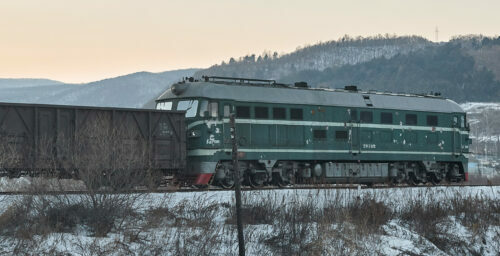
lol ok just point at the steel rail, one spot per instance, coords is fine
(215, 189)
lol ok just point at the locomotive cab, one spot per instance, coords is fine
(204, 123)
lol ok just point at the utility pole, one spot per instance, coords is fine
(237, 187)
(437, 34)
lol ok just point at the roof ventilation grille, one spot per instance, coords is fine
(368, 101)
(352, 88)
(301, 85)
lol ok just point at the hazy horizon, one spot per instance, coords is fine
(79, 42)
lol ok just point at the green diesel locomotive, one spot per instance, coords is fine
(295, 134)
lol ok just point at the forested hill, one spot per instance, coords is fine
(464, 69)
(346, 50)
(447, 69)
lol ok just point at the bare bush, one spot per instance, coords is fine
(10, 154)
(109, 161)
(425, 219)
(476, 212)
(366, 213)
(261, 209)
(295, 233)
(433, 219)
(197, 212)
(189, 227)
(310, 226)
(108, 156)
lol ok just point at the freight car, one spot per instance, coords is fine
(293, 133)
(65, 140)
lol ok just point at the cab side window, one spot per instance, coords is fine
(411, 119)
(227, 110)
(242, 112)
(209, 109)
(203, 107)
(432, 120)
(261, 112)
(279, 113)
(354, 115)
(214, 109)
(366, 117)
(386, 118)
(296, 114)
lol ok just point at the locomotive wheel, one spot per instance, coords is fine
(282, 183)
(228, 181)
(434, 179)
(256, 180)
(399, 178)
(412, 180)
(289, 179)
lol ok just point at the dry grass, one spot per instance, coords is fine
(433, 219)
(320, 223)
(310, 226)
(483, 180)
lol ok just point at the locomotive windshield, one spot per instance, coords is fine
(191, 107)
(166, 105)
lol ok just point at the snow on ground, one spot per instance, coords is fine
(486, 138)
(400, 240)
(478, 107)
(172, 236)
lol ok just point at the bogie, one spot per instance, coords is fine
(289, 173)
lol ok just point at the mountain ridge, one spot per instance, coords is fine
(26, 82)
(131, 90)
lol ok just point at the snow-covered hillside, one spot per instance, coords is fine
(345, 51)
(480, 107)
(484, 120)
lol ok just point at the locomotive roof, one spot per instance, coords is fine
(278, 93)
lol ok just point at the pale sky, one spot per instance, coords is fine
(87, 40)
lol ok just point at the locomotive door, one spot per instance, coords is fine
(355, 141)
(456, 137)
(354, 132)
(226, 126)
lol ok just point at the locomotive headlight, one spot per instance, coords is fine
(194, 134)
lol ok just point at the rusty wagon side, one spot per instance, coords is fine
(37, 139)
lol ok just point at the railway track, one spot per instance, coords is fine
(213, 188)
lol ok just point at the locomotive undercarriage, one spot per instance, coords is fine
(284, 173)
